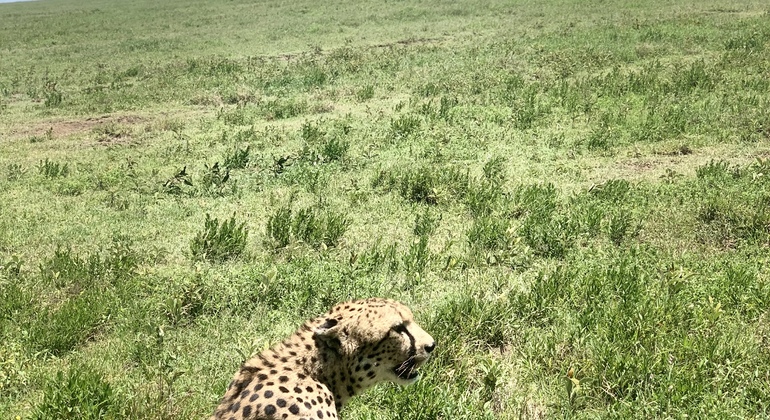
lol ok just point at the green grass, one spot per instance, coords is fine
(573, 198)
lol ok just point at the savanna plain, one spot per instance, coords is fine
(572, 196)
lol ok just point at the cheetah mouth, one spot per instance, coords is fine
(407, 370)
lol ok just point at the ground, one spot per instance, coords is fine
(575, 186)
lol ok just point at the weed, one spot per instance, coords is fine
(618, 226)
(236, 158)
(159, 366)
(188, 301)
(334, 149)
(404, 126)
(219, 241)
(239, 115)
(613, 190)
(314, 76)
(474, 319)
(696, 76)
(425, 223)
(46, 137)
(489, 234)
(549, 235)
(717, 171)
(214, 180)
(60, 330)
(312, 225)
(320, 146)
(481, 197)
(51, 169)
(53, 97)
(278, 109)
(178, 183)
(365, 93)
(79, 393)
(418, 257)
(528, 108)
(14, 172)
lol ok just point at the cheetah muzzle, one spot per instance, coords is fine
(330, 359)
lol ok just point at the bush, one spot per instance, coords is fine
(219, 242)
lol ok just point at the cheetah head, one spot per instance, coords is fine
(379, 339)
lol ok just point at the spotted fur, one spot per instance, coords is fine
(330, 359)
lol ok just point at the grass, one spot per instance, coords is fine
(572, 197)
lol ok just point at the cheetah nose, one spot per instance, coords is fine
(429, 348)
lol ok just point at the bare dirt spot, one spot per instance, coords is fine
(67, 128)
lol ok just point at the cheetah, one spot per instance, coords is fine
(314, 372)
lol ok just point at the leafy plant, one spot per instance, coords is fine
(236, 158)
(51, 169)
(365, 93)
(60, 330)
(219, 241)
(79, 393)
(178, 183)
(311, 225)
(404, 126)
(14, 172)
(425, 223)
(214, 179)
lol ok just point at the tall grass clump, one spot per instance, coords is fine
(79, 393)
(60, 329)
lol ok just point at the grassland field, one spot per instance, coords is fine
(573, 197)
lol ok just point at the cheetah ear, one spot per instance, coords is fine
(330, 335)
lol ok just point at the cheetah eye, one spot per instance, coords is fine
(399, 329)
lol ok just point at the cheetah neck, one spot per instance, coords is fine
(342, 375)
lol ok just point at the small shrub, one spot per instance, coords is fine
(587, 216)
(237, 158)
(53, 97)
(14, 172)
(59, 330)
(404, 126)
(314, 76)
(310, 225)
(219, 242)
(179, 183)
(716, 170)
(186, 302)
(489, 234)
(482, 196)
(279, 109)
(425, 223)
(529, 199)
(365, 93)
(80, 393)
(334, 149)
(618, 226)
(50, 169)
(240, 115)
(614, 190)
(279, 226)
(311, 132)
(214, 180)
